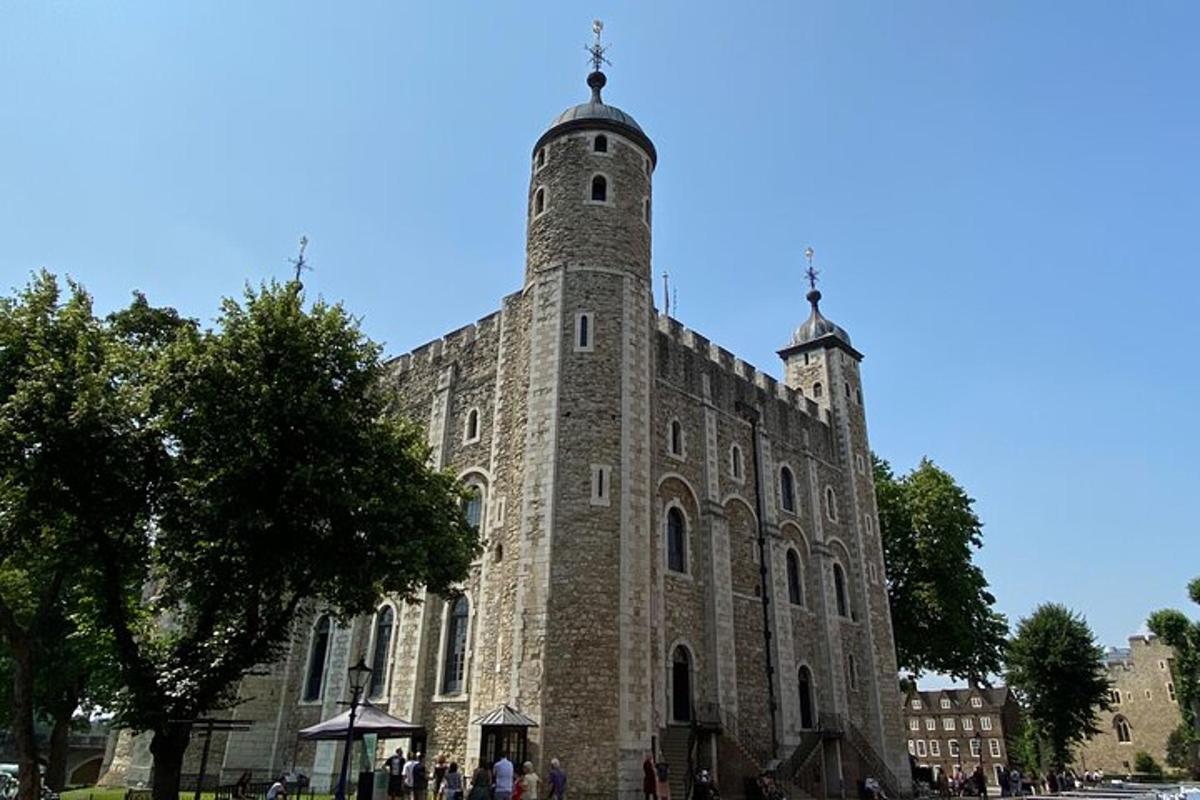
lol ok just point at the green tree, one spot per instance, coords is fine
(1056, 667)
(1145, 764)
(288, 481)
(71, 458)
(1179, 750)
(1183, 635)
(942, 613)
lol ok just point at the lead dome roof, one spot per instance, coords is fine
(595, 113)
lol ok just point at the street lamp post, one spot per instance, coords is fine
(359, 674)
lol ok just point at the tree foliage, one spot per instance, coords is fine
(1145, 764)
(1183, 636)
(1056, 667)
(195, 490)
(72, 457)
(942, 611)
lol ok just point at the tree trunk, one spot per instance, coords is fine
(56, 763)
(167, 747)
(29, 787)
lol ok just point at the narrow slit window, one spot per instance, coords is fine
(787, 490)
(601, 484)
(539, 202)
(541, 158)
(646, 210)
(676, 541)
(599, 189)
(676, 441)
(584, 335)
(735, 462)
(472, 431)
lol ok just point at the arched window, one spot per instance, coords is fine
(676, 442)
(735, 462)
(1124, 733)
(839, 588)
(676, 541)
(541, 157)
(600, 144)
(599, 189)
(384, 618)
(473, 506)
(584, 338)
(472, 430)
(681, 685)
(817, 390)
(795, 588)
(808, 717)
(539, 202)
(315, 679)
(831, 510)
(454, 661)
(787, 490)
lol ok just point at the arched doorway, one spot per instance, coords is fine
(808, 717)
(681, 685)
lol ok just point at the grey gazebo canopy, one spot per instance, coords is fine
(367, 720)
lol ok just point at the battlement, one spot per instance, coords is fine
(452, 342)
(730, 364)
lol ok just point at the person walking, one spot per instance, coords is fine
(452, 783)
(394, 766)
(409, 763)
(481, 784)
(420, 779)
(439, 774)
(529, 782)
(649, 779)
(558, 780)
(663, 776)
(502, 778)
(980, 781)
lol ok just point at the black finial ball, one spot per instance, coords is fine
(597, 80)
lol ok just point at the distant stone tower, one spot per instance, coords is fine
(587, 461)
(821, 362)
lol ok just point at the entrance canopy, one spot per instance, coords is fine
(367, 720)
(505, 716)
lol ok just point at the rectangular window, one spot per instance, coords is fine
(994, 747)
(985, 723)
(975, 748)
(930, 724)
(968, 724)
(1171, 692)
(601, 488)
(914, 724)
(947, 723)
(976, 702)
(945, 702)
(916, 704)
(921, 748)
(912, 747)
(1114, 697)
(935, 748)
(952, 746)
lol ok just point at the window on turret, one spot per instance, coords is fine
(846, 386)
(787, 490)
(599, 189)
(539, 202)
(676, 541)
(831, 510)
(646, 211)
(541, 158)
(675, 439)
(818, 390)
(600, 144)
(584, 335)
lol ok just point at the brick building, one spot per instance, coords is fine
(1144, 709)
(682, 551)
(956, 729)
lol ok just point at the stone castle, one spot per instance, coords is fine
(682, 554)
(1144, 707)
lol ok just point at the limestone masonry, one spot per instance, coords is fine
(682, 553)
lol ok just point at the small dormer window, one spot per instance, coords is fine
(599, 189)
(600, 144)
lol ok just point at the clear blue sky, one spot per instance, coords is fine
(1003, 199)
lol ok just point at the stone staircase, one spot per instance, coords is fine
(676, 749)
